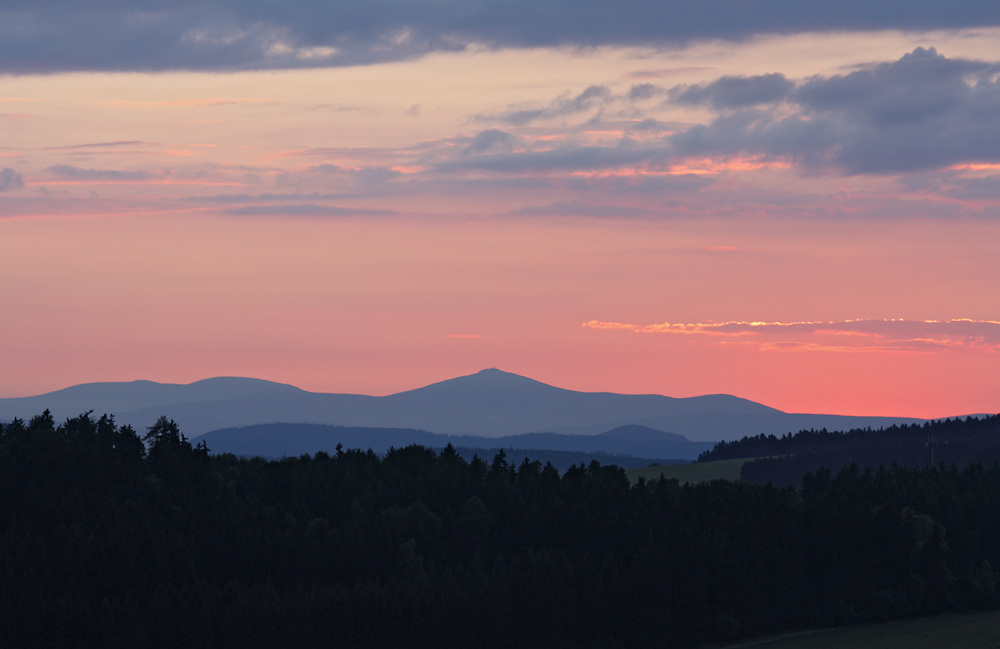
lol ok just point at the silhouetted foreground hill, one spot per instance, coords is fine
(280, 440)
(490, 403)
(109, 542)
(785, 460)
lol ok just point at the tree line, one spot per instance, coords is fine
(109, 538)
(787, 459)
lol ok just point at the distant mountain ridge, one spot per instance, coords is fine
(290, 440)
(490, 403)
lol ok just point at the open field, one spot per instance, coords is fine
(978, 630)
(694, 472)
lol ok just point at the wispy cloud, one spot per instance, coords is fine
(98, 145)
(663, 73)
(846, 335)
(562, 106)
(80, 175)
(304, 209)
(63, 174)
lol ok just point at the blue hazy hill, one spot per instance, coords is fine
(280, 440)
(490, 403)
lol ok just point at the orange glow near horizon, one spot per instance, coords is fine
(329, 305)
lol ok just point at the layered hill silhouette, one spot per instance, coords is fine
(621, 444)
(490, 403)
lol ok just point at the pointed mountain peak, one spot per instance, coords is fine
(487, 381)
(495, 375)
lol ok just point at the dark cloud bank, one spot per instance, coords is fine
(922, 112)
(62, 35)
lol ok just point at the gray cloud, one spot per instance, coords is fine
(923, 85)
(98, 145)
(491, 140)
(735, 92)
(757, 132)
(64, 35)
(924, 111)
(10, 180)
(644, 91)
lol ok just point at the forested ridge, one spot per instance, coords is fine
(111, 539)
(785, 460)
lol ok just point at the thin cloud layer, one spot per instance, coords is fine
(56, 36)
(304, 209)
(77, 174)
(848, 335)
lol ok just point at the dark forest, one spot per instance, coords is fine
(785, 460)
(112, 539)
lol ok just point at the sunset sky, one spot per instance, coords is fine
(791, 202)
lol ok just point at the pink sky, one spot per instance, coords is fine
(376, 228)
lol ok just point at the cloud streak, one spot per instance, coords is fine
(843, 336)
(304, 209)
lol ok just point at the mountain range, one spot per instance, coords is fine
(626, 445)
(491, 403)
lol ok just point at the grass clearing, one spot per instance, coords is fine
(693, 472)
(977, 630)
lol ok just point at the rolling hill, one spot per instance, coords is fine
(280, 440)
(490, 403)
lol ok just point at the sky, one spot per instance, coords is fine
(792, 203)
